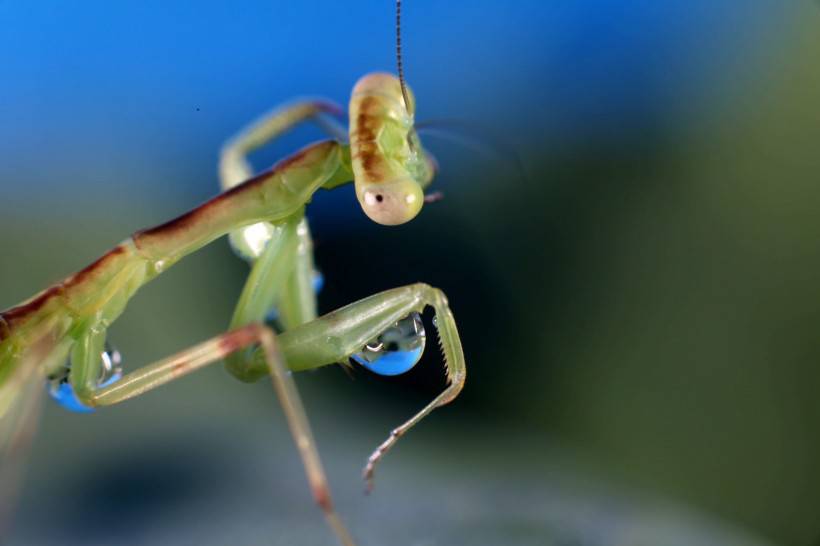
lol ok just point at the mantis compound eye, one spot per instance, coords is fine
(392, 203)
(397, 349)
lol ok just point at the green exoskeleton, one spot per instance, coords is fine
(58, 336)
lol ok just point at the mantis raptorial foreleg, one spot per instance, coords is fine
(326, 340)
(455, 367)
(296, 301)
(282, 276)
(277, 275)
(264, 285)
(234, 167)
(341, 333)
(208, 352)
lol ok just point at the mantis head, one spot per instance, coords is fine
(390, 168)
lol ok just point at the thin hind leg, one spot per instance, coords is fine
(154, 375)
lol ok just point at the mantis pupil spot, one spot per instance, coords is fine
(379, 197)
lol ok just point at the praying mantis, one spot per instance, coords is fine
(58, 337)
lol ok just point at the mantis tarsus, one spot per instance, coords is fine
(59, 335)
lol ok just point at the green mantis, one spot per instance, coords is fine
(59, 335)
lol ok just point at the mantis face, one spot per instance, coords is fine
(390, 167)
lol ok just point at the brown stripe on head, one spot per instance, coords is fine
(367, 121)
(381, 152)
(374, 167)
(364, 133)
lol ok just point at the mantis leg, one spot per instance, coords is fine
(234, 167)
(336, 336)
(208, 352)
(283, 276)
(329, 339)
(265, 283)
(298, 300)
(297, 303)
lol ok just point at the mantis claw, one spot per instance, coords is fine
(375, 457)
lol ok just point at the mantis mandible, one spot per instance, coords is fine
(58, 336)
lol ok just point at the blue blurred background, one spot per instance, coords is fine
(635, 283)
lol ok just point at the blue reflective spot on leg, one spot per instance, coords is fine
(318, 284)
(318, 281)
(273, 315)
(392, 362)
(64, 394)
(111, 380)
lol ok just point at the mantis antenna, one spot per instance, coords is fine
(398, 58)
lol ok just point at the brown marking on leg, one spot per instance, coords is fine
(238, 339)
(193, 217)
(18, 314)
(180, 369)
(370, 467)
(96, 266)
(322, 497)
(5, 331)
(293, 159)
(329, 108)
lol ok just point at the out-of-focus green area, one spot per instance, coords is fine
(665, 300)
(639, 309)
